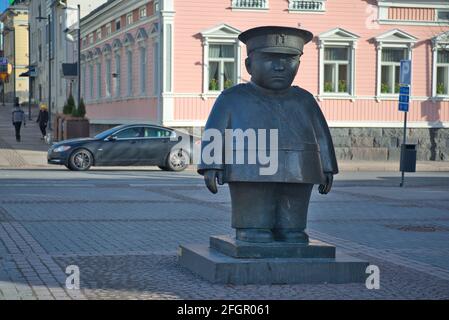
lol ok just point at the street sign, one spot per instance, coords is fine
(405, 74)
(404, 98)
(403, 106)
(404, 90)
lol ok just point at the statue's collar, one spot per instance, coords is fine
(269, 92)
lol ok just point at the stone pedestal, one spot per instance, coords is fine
(230, 261)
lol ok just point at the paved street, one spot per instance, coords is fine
(122, 229)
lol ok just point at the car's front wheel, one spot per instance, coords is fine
(178, 160)
(80, 160)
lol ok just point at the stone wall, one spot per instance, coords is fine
(385, 143)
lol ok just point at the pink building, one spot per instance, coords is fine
(165, 62)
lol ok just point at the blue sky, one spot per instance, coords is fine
(3, 5)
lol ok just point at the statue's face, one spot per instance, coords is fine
(274, 71)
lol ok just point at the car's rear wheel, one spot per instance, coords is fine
(178, 160)
(80, 160)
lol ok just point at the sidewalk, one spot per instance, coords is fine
(32, 152)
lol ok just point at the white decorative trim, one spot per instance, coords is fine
(185, 123)
(387, 124)
(391, 39)
(121, 121)
(315, 6)
(412, 4)
(249, 5)
(414, 23)
(337, 37)
(221, 33)
(334, 124)
(438, 42)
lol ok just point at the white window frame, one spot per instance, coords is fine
(144, 11)
(129, 66)
(338, 37)
(221, 62)
(221, 34)
(108, 29)
(336, 64)
(143, 63)
(129, 19)
(108, 79)
(91, 81)
(99, 82)
(99, 34)
(118, 64)
(391, 39)
(439, 42)
(91, 38)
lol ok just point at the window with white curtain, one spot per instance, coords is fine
(221, 66)
(108, 77)
(117, 75)
(129, 58)
(143, 70)
(442, 65)
(336, 70)
(390, 68)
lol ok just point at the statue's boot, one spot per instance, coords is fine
(292, 236)
(254, 235)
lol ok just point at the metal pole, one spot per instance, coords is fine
(403, 147)
(79, 55)
(49, 76)
(14, 62)
(29, 71)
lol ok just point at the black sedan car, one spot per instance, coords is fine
(127, 145)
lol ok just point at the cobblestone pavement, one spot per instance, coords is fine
(122, 229)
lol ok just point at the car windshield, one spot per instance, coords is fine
(107, 133)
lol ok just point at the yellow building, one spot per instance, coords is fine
(15, 47)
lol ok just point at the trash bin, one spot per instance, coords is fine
(408, 158)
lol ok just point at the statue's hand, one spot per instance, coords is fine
(211, 177)
(326, 188)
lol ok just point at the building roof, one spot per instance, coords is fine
(100, 8)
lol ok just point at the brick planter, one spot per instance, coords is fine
(69, 127)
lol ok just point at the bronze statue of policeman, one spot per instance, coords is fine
(273, 207)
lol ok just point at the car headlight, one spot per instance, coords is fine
(61, 149)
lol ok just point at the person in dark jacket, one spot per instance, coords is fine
(18, 117)
(42, 119)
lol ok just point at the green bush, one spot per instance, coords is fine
(67, 109)
(70, 106)
(82, 109)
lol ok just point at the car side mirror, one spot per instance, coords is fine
(111, 138)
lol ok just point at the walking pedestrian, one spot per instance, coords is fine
(42, 119)
(18, 116)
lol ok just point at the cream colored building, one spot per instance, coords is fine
(15, 42)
